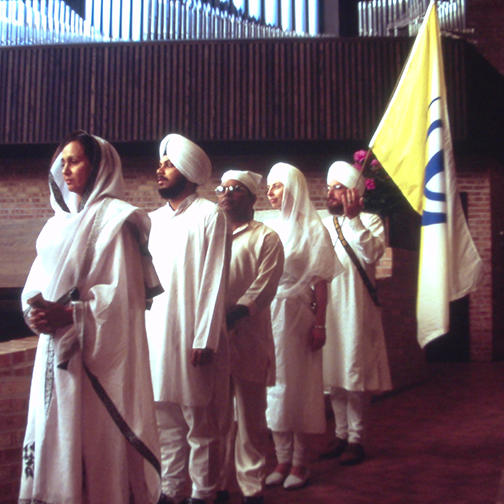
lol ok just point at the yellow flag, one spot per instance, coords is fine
(413, 144)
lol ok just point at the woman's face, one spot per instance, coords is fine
(275, 195)
(75, 167)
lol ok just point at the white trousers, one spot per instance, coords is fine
(189, 444)
(349, 410)
(247, 437)
(290, 448)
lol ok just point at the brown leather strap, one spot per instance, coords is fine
(369, 285)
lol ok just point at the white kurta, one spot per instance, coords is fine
(190, 248)
(256, 267)
(355, 355)
(91, 432)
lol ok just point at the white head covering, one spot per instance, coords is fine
(307, 246)
(249, 179)
(346, 174)
(108, 181)
(189, 159)
(64, 238)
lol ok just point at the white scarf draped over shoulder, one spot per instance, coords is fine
(65, 244)
(309, 254)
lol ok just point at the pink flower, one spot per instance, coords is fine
(370, 184)
(375, 162)
(359, 156)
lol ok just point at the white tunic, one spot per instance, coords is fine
(93, 422)
(190, 248)
(355, 355)
(256, 267)
(296, 402)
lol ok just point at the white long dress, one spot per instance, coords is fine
(355, 355)
(91, 433)
(296, 402)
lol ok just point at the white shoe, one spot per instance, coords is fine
(275, 478)
(293, 482)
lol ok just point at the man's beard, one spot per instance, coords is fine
(174, 190)
(336, 209)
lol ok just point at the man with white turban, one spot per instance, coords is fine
(256, 267)
(190, 244)
(355, 359)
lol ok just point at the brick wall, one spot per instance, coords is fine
(16, 363)
(398, 298)
(477, 187)
(24, 205)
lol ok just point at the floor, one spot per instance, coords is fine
(440, 442)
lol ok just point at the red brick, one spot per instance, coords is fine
(11, 387)
(11, 422)
(10, 456)
(5, 360)
(10, 472)
(9, 492)
(13, 404)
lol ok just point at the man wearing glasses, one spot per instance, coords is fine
(190, 243)
(256, 266)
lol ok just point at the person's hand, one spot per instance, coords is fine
(317, 337)
(353, 204)
(201, 356)
(50, 318)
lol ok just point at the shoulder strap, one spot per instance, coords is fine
(369, 285)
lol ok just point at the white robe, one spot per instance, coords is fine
(190, 248)
(355, 355)
(91, 433)
(256, 267)
(296, 401)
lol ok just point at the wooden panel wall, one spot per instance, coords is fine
(281, 90)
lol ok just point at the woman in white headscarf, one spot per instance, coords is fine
(91, 434)
(296, 402)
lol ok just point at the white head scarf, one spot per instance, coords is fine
(347, 175)
(249, 179)
(108, 181)
(307, 246)
(63, 240)
(189, 158)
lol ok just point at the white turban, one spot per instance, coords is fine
(347, 175)
(249, 179)
(187, 157)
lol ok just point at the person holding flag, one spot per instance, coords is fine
(355, 361)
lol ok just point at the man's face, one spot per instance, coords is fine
(237, 203)
(169, 180)
(335, 191)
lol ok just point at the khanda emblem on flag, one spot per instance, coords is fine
(434, 211)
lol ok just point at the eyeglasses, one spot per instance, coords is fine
(221, 190)
(335, 187)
